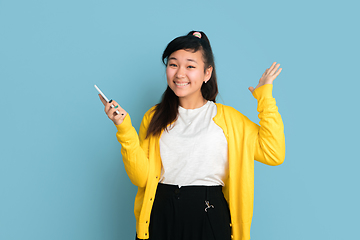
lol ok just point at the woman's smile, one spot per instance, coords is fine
(178, 84)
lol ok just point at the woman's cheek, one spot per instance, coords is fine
(169, 73)
(194, 75)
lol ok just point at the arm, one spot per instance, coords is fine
(134, 148)
(270, 140)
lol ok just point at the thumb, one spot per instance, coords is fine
(102, 99)
(251, 89)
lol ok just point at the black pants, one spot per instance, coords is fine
(189, 213)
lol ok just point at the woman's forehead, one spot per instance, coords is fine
(186, 55)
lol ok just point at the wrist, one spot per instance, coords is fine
(264, 91)
(118, 122)
(123, 124)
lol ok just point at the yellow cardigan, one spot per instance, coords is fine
(246, 142)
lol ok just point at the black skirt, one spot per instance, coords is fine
(189, 213)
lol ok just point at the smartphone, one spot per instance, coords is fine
(103, 95)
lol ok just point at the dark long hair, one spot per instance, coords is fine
(167, 110)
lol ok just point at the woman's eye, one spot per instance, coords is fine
(191, 67)
(172, 65)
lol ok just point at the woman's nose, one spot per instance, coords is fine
(180, 73)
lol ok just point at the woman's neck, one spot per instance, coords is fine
(192, 103)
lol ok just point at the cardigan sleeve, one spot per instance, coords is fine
(135, 149)
(270, 140)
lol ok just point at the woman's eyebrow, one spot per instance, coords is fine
(191, 60)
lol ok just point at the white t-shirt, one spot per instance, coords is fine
(194, 149)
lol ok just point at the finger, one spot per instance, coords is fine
(102, 99)
(107, 107)
(272, 66)
(278, 72)
(119, 118)
(265, 73)
(118, 110)
(115, 109)
(114, 104)
(274, 69)
(251, 89)
(113, 112)
(111, 108)
(110, 104)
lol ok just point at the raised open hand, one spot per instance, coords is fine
(268, 76)
(111, 109)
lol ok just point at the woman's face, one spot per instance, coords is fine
(185, 74)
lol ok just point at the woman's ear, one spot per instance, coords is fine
(208, 73)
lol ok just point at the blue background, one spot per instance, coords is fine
(61, 173)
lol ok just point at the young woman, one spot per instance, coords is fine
(193, 160)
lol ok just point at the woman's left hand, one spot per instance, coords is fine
(268, 76)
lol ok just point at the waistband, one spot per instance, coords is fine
(201, 191)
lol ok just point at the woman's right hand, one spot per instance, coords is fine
(111, 111)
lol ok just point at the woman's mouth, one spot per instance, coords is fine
(181, 84)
